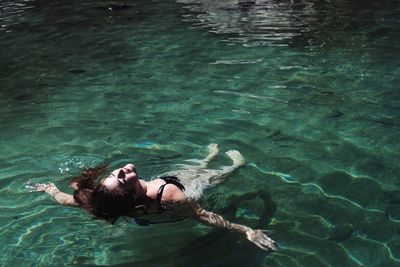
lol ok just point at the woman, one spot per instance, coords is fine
(123, 193)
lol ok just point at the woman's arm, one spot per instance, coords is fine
(258, 237)
(52, 190)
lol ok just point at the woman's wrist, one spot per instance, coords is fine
(53, 191)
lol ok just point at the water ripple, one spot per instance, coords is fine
(385, 246)
(237, 61)
(252, 23)
(11, 13)
(250, 95)
(289, 179)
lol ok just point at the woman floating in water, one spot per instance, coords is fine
(173, 195)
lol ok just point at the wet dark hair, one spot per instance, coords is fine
(99, 201)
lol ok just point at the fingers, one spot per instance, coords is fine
(34, 188)
(262, 240)
(266, 245)
(269, 244)
(268, 238)
(38, 187)
(31, 188)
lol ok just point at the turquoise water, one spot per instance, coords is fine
(306, 90)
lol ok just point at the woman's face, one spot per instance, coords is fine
(124, 178)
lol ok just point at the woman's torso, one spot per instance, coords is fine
(160, 208)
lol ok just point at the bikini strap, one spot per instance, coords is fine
(168, 180)
(159, 193)
(173, 180)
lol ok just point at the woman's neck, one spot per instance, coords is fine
(143, 185)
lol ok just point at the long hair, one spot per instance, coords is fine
(99, 201)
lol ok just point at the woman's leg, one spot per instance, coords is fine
(210, 176)
(219, 175)
(201, 163)
(196, 177)
(212, 152)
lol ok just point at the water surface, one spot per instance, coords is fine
(306, 90)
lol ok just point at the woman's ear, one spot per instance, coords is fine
(140, 209)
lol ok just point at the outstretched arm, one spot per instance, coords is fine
(258, 237)
(52, 190)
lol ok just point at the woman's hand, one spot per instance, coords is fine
(52, 190)
(49, 188)
(260, 239)
(257, 237)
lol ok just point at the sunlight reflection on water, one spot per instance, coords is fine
(11, 13)
(253, 23)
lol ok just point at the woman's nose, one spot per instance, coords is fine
(121, 174)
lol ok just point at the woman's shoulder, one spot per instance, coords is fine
(173, 194)
(162, 191)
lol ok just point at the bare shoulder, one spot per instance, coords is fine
(173, 194)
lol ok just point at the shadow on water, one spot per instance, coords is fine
(195, 255)
(219, 247)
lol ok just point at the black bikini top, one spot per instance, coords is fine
(168, 180)
(161, 208)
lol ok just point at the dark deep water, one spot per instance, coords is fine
(308, 91)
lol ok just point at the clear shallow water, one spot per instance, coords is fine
(307, 91)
